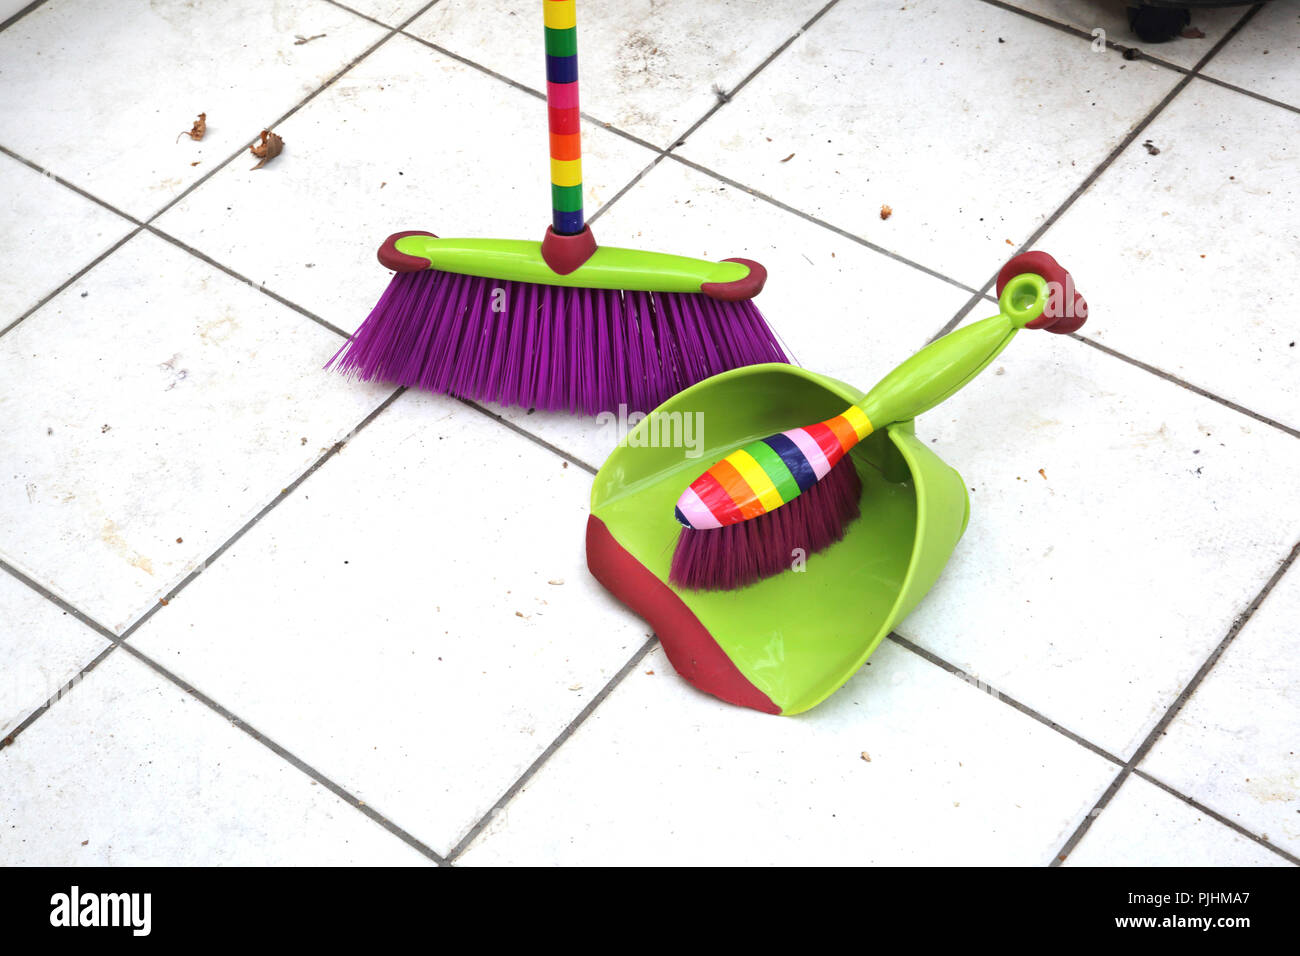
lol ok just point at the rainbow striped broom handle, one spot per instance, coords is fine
(765, 474)
(562, 115)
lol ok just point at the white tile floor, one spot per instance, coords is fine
(298, 620)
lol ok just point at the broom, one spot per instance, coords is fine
(746, 516)
(561, 324)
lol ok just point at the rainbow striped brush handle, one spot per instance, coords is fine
(766, 474)
(562, 115)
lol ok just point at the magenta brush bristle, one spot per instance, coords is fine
(550, 347)
(724, 559)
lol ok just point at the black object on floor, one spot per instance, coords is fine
(1159, 21)
(1157, 24)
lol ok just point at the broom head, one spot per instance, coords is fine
(552, 347)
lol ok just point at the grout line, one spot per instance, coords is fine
(287, 756)
(392, 31)
(1172, 711)
(1097, 172)
(525, 88)
(84, 194)
(725, 97)
(1167, 376)
(722, 98)
(1141, 53)
(555, 745)
(374, 20)
(1231, 32)
(536, 439)
(964, 311)
(59, 694)
(266, 509)
(198, 182)
(630, 183)
(70, 280)
(1245, 92)
(260, 287)
(65, 606)
(996, 694)
(20, 14)
(1215, 815)
(120, 641)
(809, 217)
(1072, 30)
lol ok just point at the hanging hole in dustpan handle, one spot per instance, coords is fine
(1066, 309)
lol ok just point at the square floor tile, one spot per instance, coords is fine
(130, 770)
(1265, 56)
(839, 308)
(648, 67)
(47, 233)
(378, 153)
(1112, 17)
(1119, 523)
(98, 92)
(971, 142)
(146, 413)
(664, 775)
(1146, 826)
(43, 648)
(1233, 746)
(416, 620)
(1189, 254)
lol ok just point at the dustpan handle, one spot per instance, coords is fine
(1033, 292)
(562, 114)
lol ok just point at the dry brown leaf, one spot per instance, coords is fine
(266, 150)
(1193, 33)
(196, 131)
(788, 158)
(886, 212)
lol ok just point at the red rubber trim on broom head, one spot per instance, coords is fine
(738, 289)
(689, 645)
(1042, 264)
(390, 258)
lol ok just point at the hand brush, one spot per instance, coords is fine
(560, 324)
(749, 514)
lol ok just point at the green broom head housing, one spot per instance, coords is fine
(557, 325)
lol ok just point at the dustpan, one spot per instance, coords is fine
(785, 644)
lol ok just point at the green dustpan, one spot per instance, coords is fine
(785, 644)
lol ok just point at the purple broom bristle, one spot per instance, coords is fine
(551, 347)
(738, 555)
